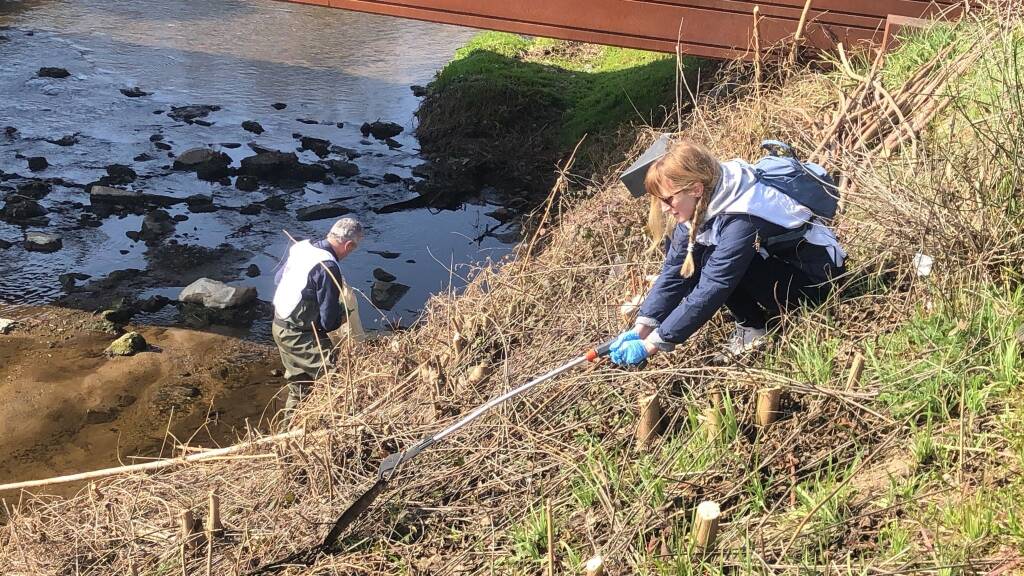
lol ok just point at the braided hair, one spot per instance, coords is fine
(684, 164)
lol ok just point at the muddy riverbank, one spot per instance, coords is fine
(147, 146)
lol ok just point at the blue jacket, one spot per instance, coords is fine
(323, 290)
(719, 269)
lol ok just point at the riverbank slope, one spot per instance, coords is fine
(912, 465)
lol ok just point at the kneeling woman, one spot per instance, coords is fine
(737, 242)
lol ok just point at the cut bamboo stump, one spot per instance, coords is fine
(705, 524)
(650, 420)
(713, 422)
(767, 406)
(214, 527)
(189, 531)
(594, 566)
(856, 369)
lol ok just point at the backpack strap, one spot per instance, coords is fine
(783, 149)
(787, 237)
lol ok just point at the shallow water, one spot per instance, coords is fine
(327, 65)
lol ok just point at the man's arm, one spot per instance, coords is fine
(325, 278)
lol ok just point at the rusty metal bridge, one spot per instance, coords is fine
(709, 28)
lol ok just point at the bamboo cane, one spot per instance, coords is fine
(757, 49)
(799, 32)
(158, 464)
(705, 525)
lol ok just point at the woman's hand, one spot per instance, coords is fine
(633, 352)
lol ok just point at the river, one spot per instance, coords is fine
(297, 71)
(333, 69)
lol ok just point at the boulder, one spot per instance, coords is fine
(42, 242)
(37, 163)
(418, 91)
(120, 174)
(347, 152)
(383, 275)
(128, 345)
(381, 130)
(52, 72)
(251, 209)
(307, 120)
(65, 140)
(321, 211)
(276, 203)
(190, 114)
(143, 158)
(342, 169)
(253, 271)
(35, 189)
(154, 303)
(68, 280)
(252, 126)
(19, 208)
(214, 294)
(199, 204)
(392, 143)
(385, 295)
(162, 146)
(318, 146)
(156, 225)
(275, 166)
(134, 92)
(203, 159)
(392, 178)
(385, 254)
(99, 194)
(6, 325)
(247, 183)
(4, 244)
(279, 105)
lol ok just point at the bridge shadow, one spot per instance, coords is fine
(493, 121)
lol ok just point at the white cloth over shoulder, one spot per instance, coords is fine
(740, 192)
(302, 257)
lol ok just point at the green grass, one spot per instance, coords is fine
(593, 89)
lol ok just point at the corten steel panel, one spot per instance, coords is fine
(712, 28)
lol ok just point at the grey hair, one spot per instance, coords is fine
(346, 229)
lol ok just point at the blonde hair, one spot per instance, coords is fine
(685, 164)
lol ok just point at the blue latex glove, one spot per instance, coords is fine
(630, 353)
(623, 338)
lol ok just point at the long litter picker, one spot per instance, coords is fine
(390, 464)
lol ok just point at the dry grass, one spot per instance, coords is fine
(472, 504)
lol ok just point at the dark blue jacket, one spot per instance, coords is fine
(719, 269)
(320, 288)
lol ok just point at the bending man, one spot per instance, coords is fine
(307, 306)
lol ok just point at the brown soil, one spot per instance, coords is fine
(69, 408)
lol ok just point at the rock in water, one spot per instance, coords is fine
(381, 130)
(18, 208)
(120, 174)
(208, 164)
(53, 72)
(321, 211)
(342, 169)
(189, 114)
(279, 105)
(105, 194)
(34, 190)
(156, 225)
(385, 295)
(128, 345)
(318, 146)
(134, 92)
(37, 163)
(252, 126)
(247, 183)
(383, 275)
(214, 294)
(42, 242)
(253, 271)
(276, 166)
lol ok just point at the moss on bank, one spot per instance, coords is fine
(508, 107)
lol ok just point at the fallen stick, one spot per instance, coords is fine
(155, 465)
